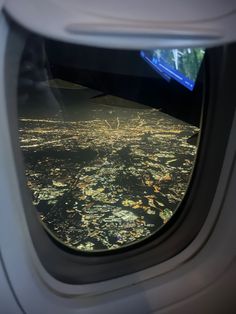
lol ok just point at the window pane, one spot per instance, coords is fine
(109, 139)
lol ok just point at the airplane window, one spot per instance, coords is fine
(109, 139)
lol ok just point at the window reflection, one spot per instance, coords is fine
(103, 171)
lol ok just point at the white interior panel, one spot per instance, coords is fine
(131, 23)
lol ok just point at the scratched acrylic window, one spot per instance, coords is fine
(108, 144)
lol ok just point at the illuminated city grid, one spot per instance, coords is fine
(106, 182)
